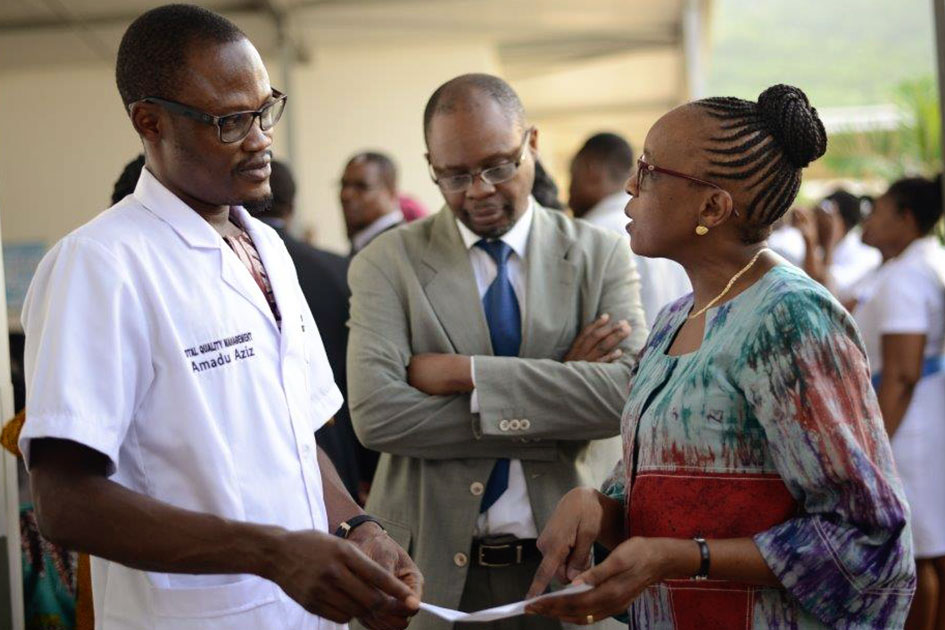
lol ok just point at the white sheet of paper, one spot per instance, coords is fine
(499, 612)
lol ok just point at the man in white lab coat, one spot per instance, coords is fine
(175, 376)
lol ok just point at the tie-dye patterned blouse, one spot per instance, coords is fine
(770, 430)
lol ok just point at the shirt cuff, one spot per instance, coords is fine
(474, 394)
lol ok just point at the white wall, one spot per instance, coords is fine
(352, 98)
(64, 137)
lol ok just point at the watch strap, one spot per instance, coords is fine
(703, 573)
(346, 527)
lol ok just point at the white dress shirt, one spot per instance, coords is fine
(661, 280)
(512, 512)
(360, 240)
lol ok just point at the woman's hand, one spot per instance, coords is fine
(568, 537)
(806, 223)
(634, 565)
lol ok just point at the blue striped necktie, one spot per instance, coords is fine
(505, 330)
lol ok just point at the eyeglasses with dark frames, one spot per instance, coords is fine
(644, 168)
(491, 175)
(231, 127)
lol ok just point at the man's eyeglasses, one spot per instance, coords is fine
(491, 175)
(232, 127)
(645, 168)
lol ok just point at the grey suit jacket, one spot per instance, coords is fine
(413, 291)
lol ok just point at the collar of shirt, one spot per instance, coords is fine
(188, 224)
(608, 205)
(919, 247)
(360, 240)
(517, 237)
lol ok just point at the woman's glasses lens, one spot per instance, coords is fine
(641, 173)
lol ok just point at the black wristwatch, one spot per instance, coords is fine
(344, 530)
(703, 573)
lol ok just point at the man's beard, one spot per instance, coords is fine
(498, 232)
(257, 206)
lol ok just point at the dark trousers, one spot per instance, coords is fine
(494, 586)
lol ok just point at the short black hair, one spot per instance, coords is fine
(849, 206)
(613, 152)
(544, 188)
(920, 196)
(153, 51)
(765, 145)
(128, 180)
(448, 97)
(384, 164)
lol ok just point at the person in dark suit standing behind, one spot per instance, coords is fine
(369, 198)
(323, 278)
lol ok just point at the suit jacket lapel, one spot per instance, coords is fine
(450, 285)
(550, 276)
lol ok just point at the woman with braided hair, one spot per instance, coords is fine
(757, 489)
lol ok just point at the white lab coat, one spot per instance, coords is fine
(148, 341)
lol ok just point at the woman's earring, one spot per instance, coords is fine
(702, 230)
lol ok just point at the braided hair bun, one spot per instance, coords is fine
(794, 124)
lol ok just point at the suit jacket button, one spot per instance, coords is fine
(460, 560)
(526, 424)
(503, 425)
(476, 488)
(515, 425)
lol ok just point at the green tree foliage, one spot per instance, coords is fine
(914, 148)
(841, 52)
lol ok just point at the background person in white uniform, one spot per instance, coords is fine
(599, 173)
(835, 254)
(903, 325)
(175, 375)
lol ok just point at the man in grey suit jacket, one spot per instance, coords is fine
(478, 448)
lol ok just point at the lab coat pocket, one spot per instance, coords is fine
(247, 603)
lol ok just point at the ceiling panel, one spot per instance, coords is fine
(529, 34)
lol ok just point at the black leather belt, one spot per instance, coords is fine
(504, 551)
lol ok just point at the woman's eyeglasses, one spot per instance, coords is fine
(645, 168)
